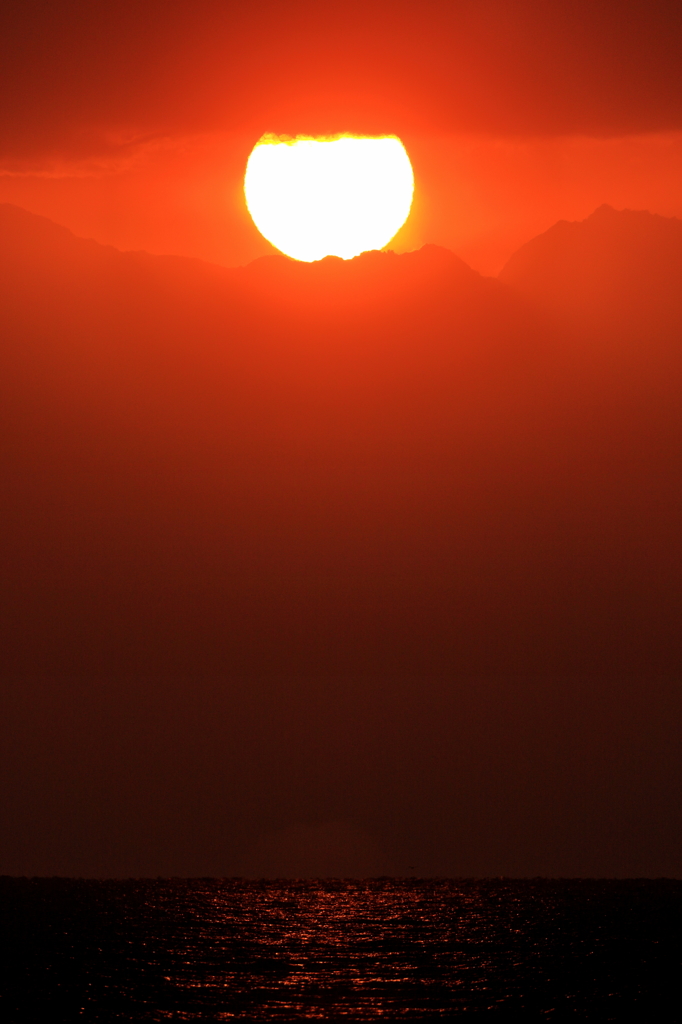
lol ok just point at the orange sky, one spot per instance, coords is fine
(132, 123)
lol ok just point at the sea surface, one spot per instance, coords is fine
(340, 950)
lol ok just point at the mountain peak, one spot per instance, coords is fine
(617, 266)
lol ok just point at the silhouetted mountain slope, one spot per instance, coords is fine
(36, 252)
(431, 270)
(31, 243)
(381, 466)
(616, 270)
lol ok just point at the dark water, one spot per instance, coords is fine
(385, 949)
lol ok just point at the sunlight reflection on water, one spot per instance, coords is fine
(217, 950)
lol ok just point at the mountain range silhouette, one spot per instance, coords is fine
(390, 464)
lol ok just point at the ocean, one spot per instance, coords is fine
(340, 950)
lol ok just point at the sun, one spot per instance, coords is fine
(338, 196)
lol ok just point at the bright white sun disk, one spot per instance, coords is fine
(328, 197)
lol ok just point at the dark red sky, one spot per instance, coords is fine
(131, 123)
(74, 72)
(341, 577)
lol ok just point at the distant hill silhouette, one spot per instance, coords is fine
(431, 270)
(343, 466)
(37, 251)
(615, 270)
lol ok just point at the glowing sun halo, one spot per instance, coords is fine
(328, 197)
